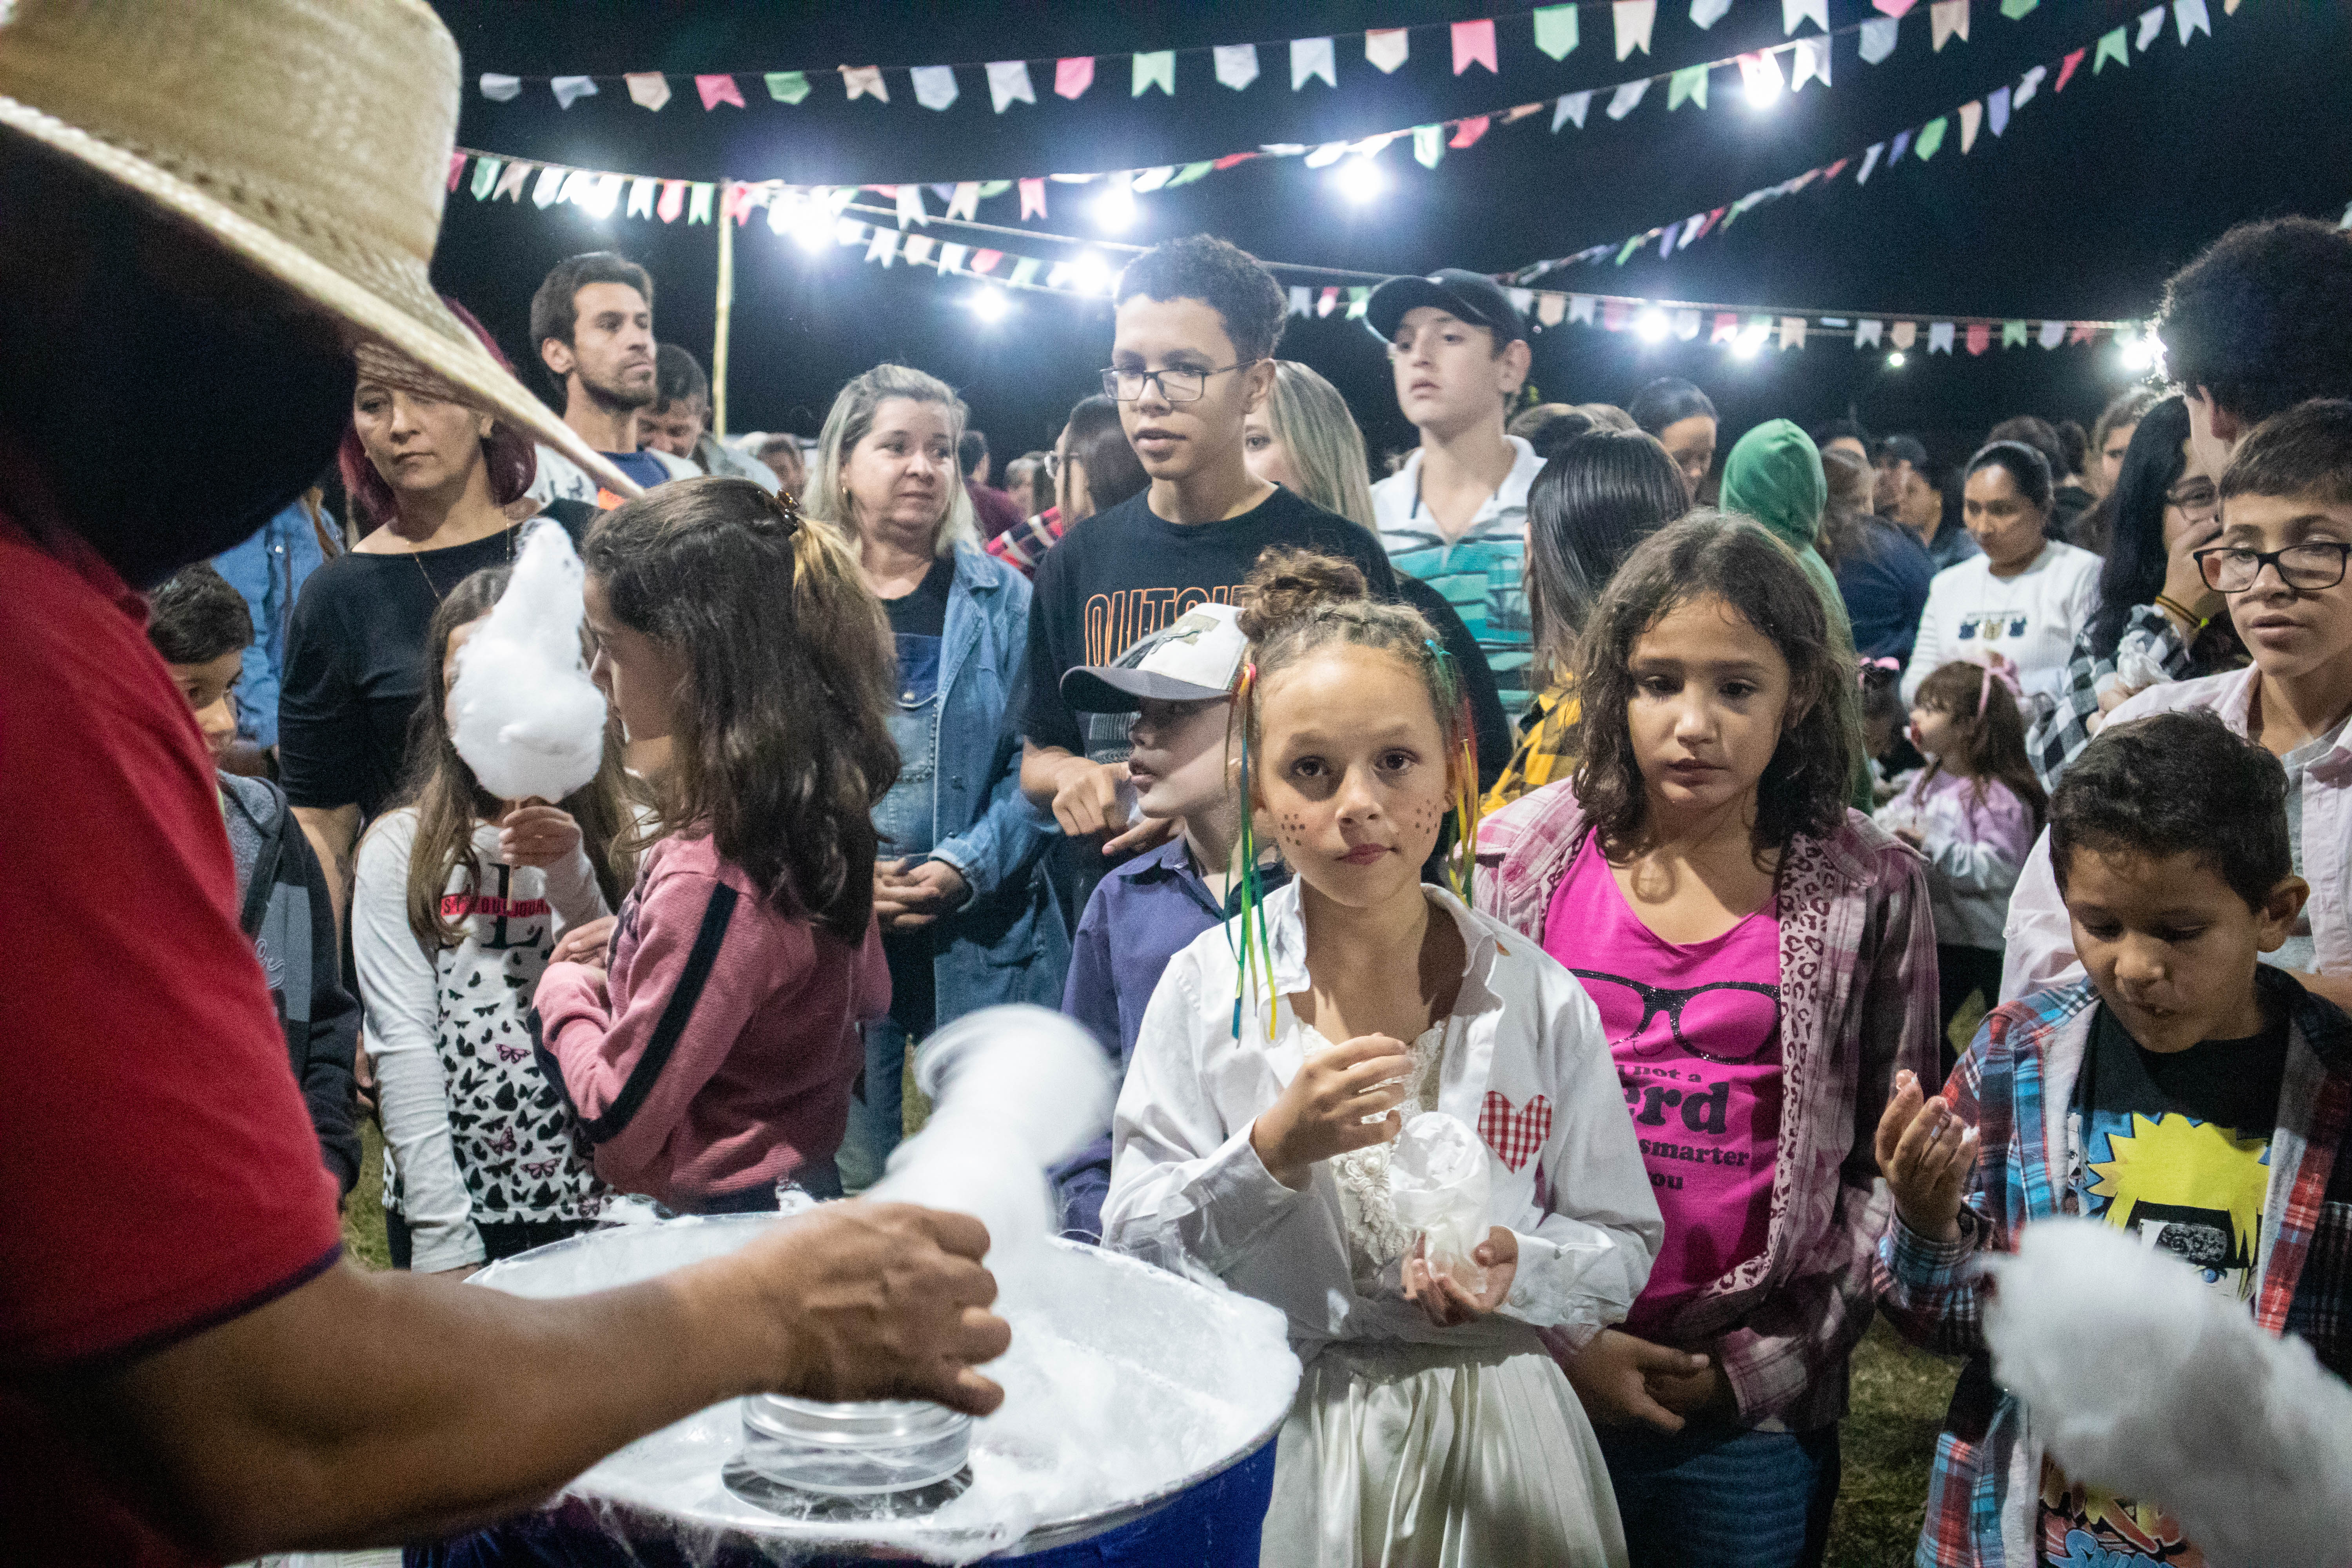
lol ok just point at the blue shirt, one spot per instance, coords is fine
(270, 569)
(640, 466)
(1885, 585)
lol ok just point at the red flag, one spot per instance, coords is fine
(1033, 199)
(1834, 170)
(2067, 68)
(1230, 159)
(1467, 132)
(1072, 76)
(985, 261)
(1614, 314)
(457, 167)
(1328, 302)
(1979, 337)
(1474, 44)
(672, 201)
(718, 90)
(2082, 332)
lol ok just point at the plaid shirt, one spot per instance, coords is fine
(2014, 1086)
(1858, 1000)
(1546, 731)
(2064, 729)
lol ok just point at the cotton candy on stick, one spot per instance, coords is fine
(523, 712)
(1439, 1182)
(2139, 1377)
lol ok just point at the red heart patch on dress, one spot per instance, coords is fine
(1513, 1133)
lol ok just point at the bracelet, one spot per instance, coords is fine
(2194, 622)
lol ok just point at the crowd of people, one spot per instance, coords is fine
(1803, 870)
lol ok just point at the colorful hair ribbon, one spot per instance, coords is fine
(1462, 862)
(1254, 948)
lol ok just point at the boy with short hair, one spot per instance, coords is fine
(200, 627)
(1455, 514)
(2181, 1090)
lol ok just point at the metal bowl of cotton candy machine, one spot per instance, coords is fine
(1130, 1394)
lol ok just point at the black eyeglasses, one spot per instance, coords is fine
(2199, 499)
(1178, 384)
(1716, 1011)
(2307, 567)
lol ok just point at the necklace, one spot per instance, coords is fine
(416, 555)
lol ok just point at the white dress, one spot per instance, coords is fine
(1409, 1446)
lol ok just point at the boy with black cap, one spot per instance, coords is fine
(1455, 515)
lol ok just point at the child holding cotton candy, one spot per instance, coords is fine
(460, 899)
(1258, 1131)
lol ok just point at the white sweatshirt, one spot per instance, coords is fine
(1188, 1190)
(2030, 618)
(470, 1124)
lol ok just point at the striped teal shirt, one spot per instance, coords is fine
(1480, 571)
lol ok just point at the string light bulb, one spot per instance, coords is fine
(1089, 274)
(989, 304)
(1115, 209)
(1360, 180)
(1750, 339)
(1651, 325)
(2137, 355)
(1894, 360)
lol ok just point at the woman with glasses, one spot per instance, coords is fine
(2157, 619)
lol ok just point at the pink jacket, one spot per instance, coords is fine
(1858, 1001)
(719, 1053)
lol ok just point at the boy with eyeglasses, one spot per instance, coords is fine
(1192, 355)
(2278, 565)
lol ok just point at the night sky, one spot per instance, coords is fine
(2081, 210)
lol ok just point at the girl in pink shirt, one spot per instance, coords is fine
(1762, 961)
(709, 1050)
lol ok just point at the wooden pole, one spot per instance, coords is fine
(725, 312)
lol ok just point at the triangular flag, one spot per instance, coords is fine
(951, 257)
(1008, 82)
(1236, 65)
(1328, 302)
(1813, 60)
(1428, 144)
(861, 81)
(1149, 180)
(1311, 58)
(571, 90)
(1616, 315)
(1474, 44)
(1971, 113)
(1467, 132)
(486, 176)
(1939, 338)
(2151, 23)
(2031, 83)
(1073, 76)
(641, 197)
(1894, 7)
(1025, 272)
(1947, 19)
(985, 261)
(697, 203)
(1869, 162)
(1387, 48)
(1580, 307)
(1360, 299)
(1795, 11)
(1628, 95)
(1191, 172)
(2067, 66)
(1867, 333)
(1706, 14)
(935, 86)
(1556, 30)
(1155, 70)
(2013, 334)
(2192, 16)
(672, 201)
(1688, 84)
(1760, 74)
(1979, 337)
(788, 87)
(1033, 199)
(965, 202)
(1997, 109)
(647, 90)
(1726, 327)
(911, 207)
(718, 90)
(1902, 145)
(1302, 300)
(1686, 325)
(1551, 308)
(1792, 331)
(2053, 334)
(1572, 106)
(2017, 10)
(918, 248)
(2082, 332)
(501, 89)
(1904, 334)
(456, 166)
(2111, 47)
(1634, 19)
(1877, 39)
(885, 249)
(549, 187)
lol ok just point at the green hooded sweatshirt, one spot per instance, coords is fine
(1774, 475)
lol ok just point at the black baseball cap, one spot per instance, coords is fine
(1471, 297)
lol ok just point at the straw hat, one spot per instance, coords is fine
(310, 138)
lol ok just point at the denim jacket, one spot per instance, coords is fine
(1008, 942)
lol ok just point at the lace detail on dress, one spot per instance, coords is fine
(1376, 1239)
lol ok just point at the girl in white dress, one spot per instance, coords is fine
(1272, 1072)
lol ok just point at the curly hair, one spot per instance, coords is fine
(2177, 784)
(2263, 319)
(1715, 554)
(1219, 274)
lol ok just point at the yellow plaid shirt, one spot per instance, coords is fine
(1547, 730)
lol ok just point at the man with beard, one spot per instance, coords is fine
(592, 323)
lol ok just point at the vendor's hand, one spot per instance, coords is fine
(1442, 1297)
(1616, 1376)
(533, 833)
(1085, 797)
(2184, 584)
(909, 896)
(590, 943)
(1926, 1153)
(1148, 833)
(1323, 1110)
(860, 1301)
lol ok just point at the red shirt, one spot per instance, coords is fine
(158, 1173)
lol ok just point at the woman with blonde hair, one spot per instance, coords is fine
(966, 920)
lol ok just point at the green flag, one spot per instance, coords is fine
(2015, 9)
(2111, 47)
(1428, 144)
(1155, 70)
(1690, 82)
(1191, 171)
(2013, 334)
(788, 87)
(1556, 30)
(1931, 136)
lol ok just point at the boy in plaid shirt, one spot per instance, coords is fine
(2180, 1091)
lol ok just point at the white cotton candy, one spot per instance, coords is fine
(523, 712)
(1438, 1181)
(2139, 1377)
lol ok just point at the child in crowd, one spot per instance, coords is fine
(1179, 685)
(460, 901)
(1973, 812)
(201, 627)
(709, 1050)
(1886, 730)
(1272, 1070)
(2180, 1091)
(2279, 564)
(1763, 959)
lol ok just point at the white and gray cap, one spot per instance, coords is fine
(1194, 660)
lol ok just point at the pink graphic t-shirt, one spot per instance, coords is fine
(1696, 1031)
